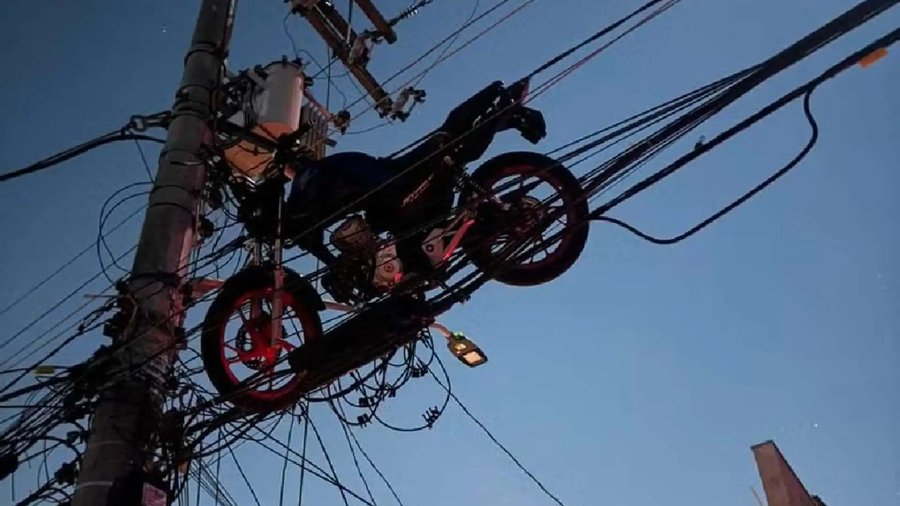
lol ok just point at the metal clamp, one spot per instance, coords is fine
(139, 123)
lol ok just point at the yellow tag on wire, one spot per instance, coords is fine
(44, 370)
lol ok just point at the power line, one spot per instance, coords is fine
(496, 442)
(316, 471)
(356, 462)
(440, 43)
(303, 455)
(814, 136)
(543, 87)
(137, 144)
(328, 458)
(244, 476)
(605, 30)
(781, 61)
(448, 46)
(55, 273)
(374, 467)
(806, 105)
(78, 150)
(284, 465)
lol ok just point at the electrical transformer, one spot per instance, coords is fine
(272, 108)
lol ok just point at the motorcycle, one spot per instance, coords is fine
(509, 199)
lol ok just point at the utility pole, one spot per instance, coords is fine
(124, 426)
(341, 39)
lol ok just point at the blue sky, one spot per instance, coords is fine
(643, 375)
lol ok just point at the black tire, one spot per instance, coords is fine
(574, 238)
(299, 296)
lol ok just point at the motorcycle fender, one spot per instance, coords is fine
(303, 288)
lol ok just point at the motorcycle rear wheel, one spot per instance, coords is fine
(569, 196)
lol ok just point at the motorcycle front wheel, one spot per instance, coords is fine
(241, 360)
(530, 187)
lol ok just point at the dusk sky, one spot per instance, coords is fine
(643, 375)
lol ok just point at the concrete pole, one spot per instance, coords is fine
(782, 486)
(122, 434)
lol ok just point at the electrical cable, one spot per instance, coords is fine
(742, 199)
(59, 303)
(392, 179)
(101, 237)
(440, 43)
(303, 454)
(328, 459)
(60, 269)
(543, 87)
(496, 442)
(847, 62)
(284, 465)
(57, 394)
(359, 472)
(605, 30)
(75, 151)
(47, 312)
(174, 315)
(408, 12)
(140, 149)
(784, 59)
(457, 399)
(650, 116)
(244, 476)
(316, 471)
(81, 331)
(374, 467)
(449, 45)
(437, 46)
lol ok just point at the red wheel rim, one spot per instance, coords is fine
(255, 353)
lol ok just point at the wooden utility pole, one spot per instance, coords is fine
(377, 20)
(123, 429)
(340, 37)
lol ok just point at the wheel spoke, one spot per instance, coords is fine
(240, 312)
(546, 248)
(270, 372)
(255, 308)
(284, 344)
(554, 210)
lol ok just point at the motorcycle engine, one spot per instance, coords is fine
(361, 256)
(388, 268)
(353, 235)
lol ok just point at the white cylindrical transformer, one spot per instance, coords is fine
(273, 110)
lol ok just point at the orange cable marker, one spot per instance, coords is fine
(871, 58)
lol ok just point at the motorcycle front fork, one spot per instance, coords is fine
(278, 275)
(277, 257)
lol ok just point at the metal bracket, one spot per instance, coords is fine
(201, 286)
(139, 123)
